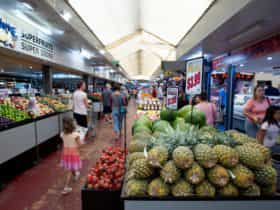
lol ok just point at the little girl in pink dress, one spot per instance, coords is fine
(70, 160)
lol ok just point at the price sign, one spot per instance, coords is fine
(4, 93)
(172, 98)
(194, 76)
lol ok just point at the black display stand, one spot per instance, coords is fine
(101, 199)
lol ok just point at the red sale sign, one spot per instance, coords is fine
(172, 98)
(194, 76)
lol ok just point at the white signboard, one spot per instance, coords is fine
(172, 98)
(194, 76)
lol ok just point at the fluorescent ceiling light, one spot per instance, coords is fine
(86, 53)
(22, 16)
(66, 15)
(241, 65)
(102, 52)
(27, 6)
(269, 58)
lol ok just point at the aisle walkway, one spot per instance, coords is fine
(40, 187)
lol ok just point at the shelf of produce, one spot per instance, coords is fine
(47, 127)
(17, 140)
(256, 203)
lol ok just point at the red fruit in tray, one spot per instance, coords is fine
(90, 178)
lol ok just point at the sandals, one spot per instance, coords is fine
(66, 190)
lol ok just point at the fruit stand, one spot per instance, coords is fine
(23, 130)
(178, 161)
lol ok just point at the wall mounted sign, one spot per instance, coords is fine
(8, 35)
(37, 46)
(194, 76)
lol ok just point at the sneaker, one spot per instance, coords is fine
(66, 190)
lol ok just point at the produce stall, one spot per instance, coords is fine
(178, 161)
(23, 128)
(104, 181)
(149, 107)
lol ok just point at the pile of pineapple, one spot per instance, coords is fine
(198, 162)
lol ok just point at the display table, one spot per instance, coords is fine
(18, 138)
(202, 204)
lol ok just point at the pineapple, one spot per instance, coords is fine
(218, 176)
(242, 176)
(240, 138)
(157, 156)
(228, 191)
(264, 150)
(136, 146)
(269, 190)
(250, 156)
(157, 188)
(136, 187)
(135, 156)
(183, 157)
(266, 176)
(252, 191)
(195, 175)
(140, 169)
(170, 173)
(205, 189)
(182, 189)
(205, 156)
(227, 156)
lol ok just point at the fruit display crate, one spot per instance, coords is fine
(101, 199)
(199, 203)
(22, 136)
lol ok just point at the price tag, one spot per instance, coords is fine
(172, 98)
(4, 93)
(194, 76)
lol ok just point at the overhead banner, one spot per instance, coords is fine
(194, 76)
(172, 98)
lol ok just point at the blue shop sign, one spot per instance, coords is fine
(8, 35)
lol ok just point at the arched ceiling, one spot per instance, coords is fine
(140, 33)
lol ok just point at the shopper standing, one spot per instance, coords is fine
(270, 128)
(116, 112)
(255, 110)
(70, 160)
(106, 98)
(80, 105)
(208, 108)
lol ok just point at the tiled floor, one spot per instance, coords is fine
(39, 188)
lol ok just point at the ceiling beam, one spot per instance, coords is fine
(123, 40)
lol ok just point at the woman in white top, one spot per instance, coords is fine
(80, 105)
(270, 128)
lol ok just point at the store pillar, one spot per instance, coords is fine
(47, 79)
(86, 79)
(230, 96)
(206, 84)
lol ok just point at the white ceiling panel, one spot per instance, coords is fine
(171, 20)
(153, 27)
(110, 20)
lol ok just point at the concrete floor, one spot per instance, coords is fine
(39, 188)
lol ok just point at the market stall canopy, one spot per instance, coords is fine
(141, 33)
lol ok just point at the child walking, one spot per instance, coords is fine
(70, 156)
(270, 128)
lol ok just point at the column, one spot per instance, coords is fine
(86, 79)
(47, 79)
(230, 96)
